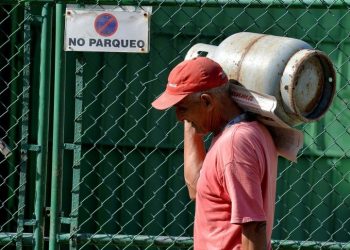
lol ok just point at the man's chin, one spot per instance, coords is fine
(199, 131)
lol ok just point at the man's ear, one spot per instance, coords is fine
(207, 100)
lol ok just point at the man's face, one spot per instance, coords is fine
(193, 110)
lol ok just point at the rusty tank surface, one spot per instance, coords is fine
(301, 78)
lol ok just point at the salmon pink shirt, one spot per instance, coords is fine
(237, 184)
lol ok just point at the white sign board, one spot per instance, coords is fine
(107, 28)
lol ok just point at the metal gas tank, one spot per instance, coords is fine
(301, 78)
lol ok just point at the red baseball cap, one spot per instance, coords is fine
(190, 76)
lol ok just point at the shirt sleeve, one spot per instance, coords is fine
(243, 175)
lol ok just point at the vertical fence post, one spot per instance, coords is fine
(79, 86)
(43, 121)
(58, 132)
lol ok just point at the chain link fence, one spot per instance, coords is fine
(15, 110)
(86, 162)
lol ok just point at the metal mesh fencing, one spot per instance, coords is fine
(116, 164)
(15, 111)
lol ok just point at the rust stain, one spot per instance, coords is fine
(317, 97)
(293, 84)
(246, 50)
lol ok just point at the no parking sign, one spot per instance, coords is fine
(106, 24)
(107, 29)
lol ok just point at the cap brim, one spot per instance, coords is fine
(166, 100)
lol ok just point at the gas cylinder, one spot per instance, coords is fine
(301, 78)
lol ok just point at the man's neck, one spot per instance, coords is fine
(229, 111)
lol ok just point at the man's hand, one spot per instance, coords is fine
(194, 154)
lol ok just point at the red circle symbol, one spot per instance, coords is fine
(106, 24)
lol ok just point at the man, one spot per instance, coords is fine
(234, 183)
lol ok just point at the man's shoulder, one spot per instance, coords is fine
(253, 128)
(247, 133)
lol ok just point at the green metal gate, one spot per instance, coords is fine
(87, 163)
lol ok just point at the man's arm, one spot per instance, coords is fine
(254, 236)
(194, 154)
